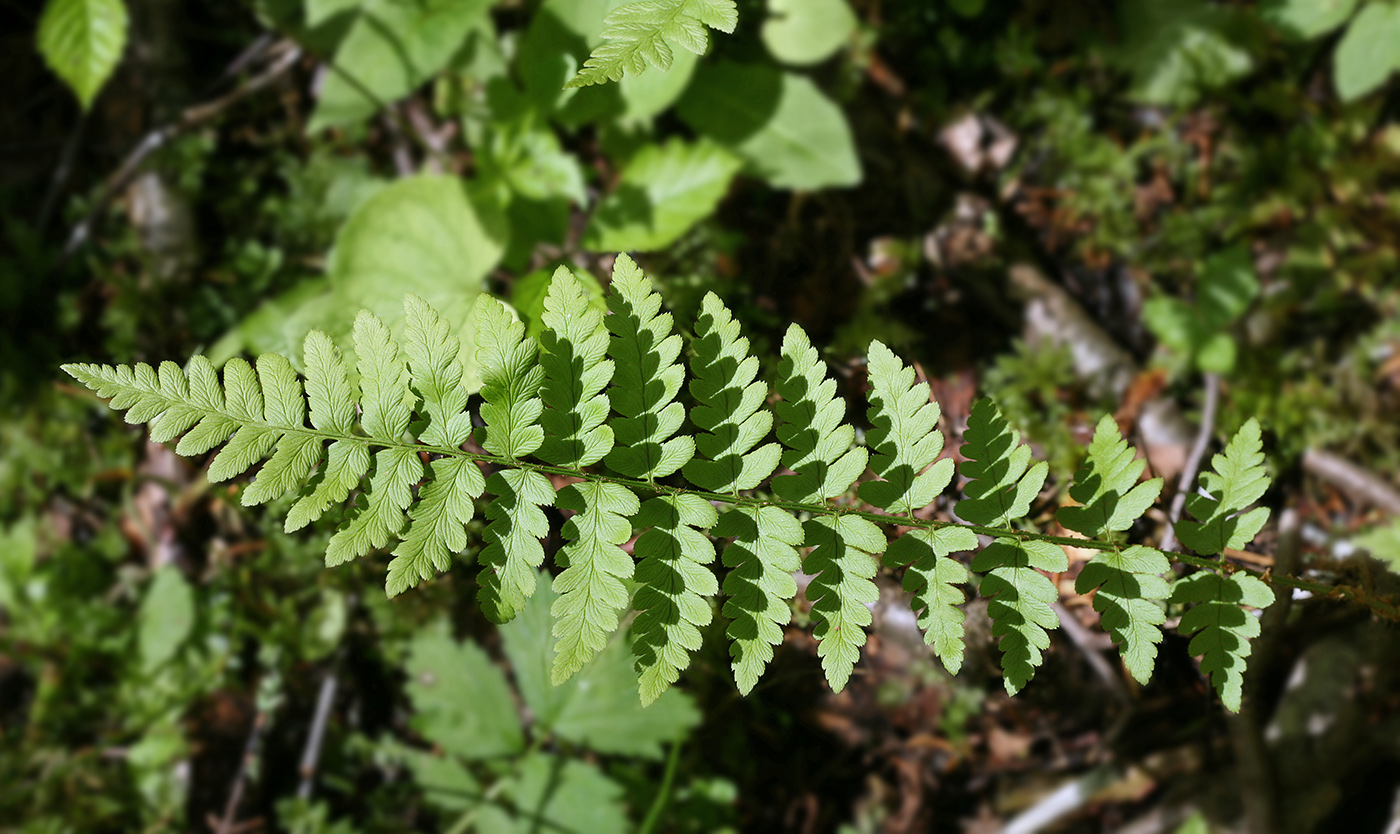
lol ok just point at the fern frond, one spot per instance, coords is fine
(387, 405)
(904, 438)
(675, 583)
(761, 560)
(1223, 629)
(819, 451)
(576, 370)
(728, 401)
(591, 588)
(646, 380)
(296, 452)
(436, 374)
(640, 33)
(1002, 487)
(1239, 480)
(844, 557)
(1129, 581)
(933, 578)
(510, 383)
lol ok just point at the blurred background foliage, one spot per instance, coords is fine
(1181, 212)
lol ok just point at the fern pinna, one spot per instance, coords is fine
(591, 420)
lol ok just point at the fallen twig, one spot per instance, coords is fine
(1193, 460)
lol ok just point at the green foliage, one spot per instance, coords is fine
(641, 33)
(597, 403)
(1201, 330)
(82, 41)
(1221, 627)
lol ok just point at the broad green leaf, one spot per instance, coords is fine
(165, 618)
(598, 707)
(461, 701)
(664, 191)
(1367, 53)
(432, 236)
(530, 159)
(1383, 542)
(82, 42)
(1307, 19)
(788, 131)
(555, 793)
(807, 31)
(392, 48)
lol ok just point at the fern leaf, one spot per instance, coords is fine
(904, 438)
(511, 377)
(728, 406)
(347, 461)
(387, 404)
(510, 383)
(640, 33)
(819, 451)
(1001, 487)
(436, 374)
(332, 399)
(646, 380)
(1221, 627)
(761, 560)
(1128, 580)
(575, 372)
(675, 583)
(932, 578)
(215, 426)
(845, 561)
(591, 588)
(1239, 480)
(515, 525)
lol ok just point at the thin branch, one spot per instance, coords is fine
(311, 754)
(191, 118)
(1193, 460)
(250, 751)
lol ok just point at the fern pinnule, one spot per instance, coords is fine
(844, 558)
(1129, 582)
(510, 383)
(638, 33)
(1239, 480)
(675, 582)
(1003, 484)
(932, 577)
(576, 370)
(1221, 627)
(436, 374)
(728, 406)
(761, 559)
(904, 438)
(819, 451)
(332, 398)
(387, 405)
(646, 379)
(297, 451)
(591, 588)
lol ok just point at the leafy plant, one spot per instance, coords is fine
(642, 33)
(82, 41)
(554, 403)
